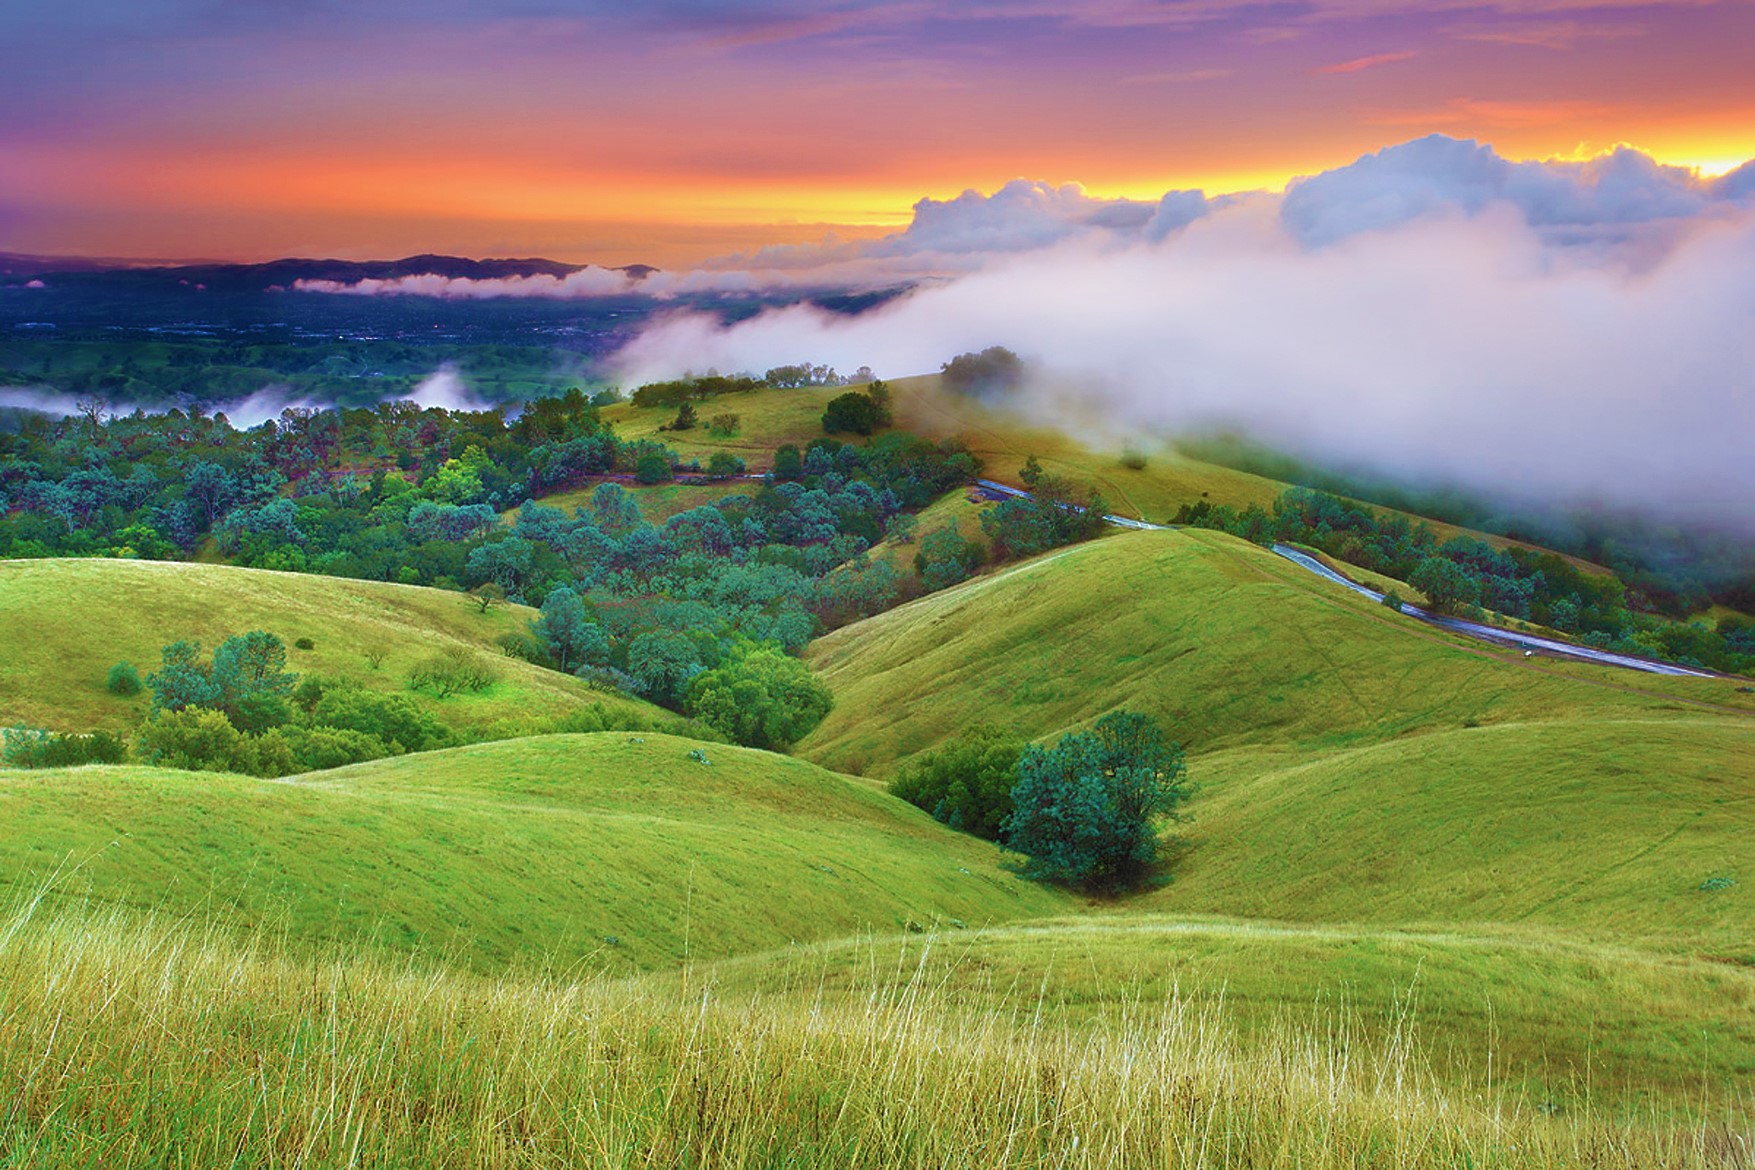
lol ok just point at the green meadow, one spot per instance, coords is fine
(1434, 905)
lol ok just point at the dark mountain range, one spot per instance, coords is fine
(282, 273)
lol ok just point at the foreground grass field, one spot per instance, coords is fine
(64, 623)
(611, 851)
(130, 1046)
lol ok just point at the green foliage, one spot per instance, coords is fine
(946, 557)
(968, 782)
(1393, 600)
(1133, 460)
(859, 413)
(183, 679)
(761, 698)
(567, 632)
(396, 719)
(1448, 587)
(788, 462)
(123, 680)
(457, 670)
(31, 747)
(305, 644)
(1085, 812)
(249, 672)
(663, 663)
(723, 465)
(201, 739)
(317, 748)
(1056, 513)
(654, 467)
(722, 426)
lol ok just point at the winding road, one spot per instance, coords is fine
(1527, 642)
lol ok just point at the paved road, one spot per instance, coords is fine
(1468, 629)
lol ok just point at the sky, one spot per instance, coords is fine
(674, 131)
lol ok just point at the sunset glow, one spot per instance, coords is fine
(696, 129)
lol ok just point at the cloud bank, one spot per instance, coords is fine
(1571, 334)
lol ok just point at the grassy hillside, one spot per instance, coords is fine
(1610, 824)
(1226, 643)
(1529, 1014)
(64, 623)
(612, 849)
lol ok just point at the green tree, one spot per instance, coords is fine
(183, 679)
(761, 698)
(968, 782)
(567, 631)
(788, 462)
(859, 413)
(946, 557)
(1448, 586)
(1085, 811)
(249, 672)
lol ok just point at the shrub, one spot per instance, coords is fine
(967, 783)
(315, 749)
(304, 644)
(760, 698)
(723, 465)
(457, 670)
(1084, 811)
(200, 739)
(722, 426)
(396, 719)
(31, 747)
(1393, 600)
(123, 680)
(1133, 460)
(946, 557)
(993, 372)
(653, 467)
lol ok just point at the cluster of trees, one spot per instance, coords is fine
(1465, 575)
(992, 373)
(1083, 813)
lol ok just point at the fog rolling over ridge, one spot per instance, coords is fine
(1564, 334)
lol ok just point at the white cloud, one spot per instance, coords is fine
(1453, 344)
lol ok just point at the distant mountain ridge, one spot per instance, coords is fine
(284, 273)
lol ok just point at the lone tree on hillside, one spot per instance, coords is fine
(1085, 812)
(992, 373)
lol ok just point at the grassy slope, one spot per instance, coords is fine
(657, 504)
(1354, 765)
(66, 622)
(1227, 643)
(521, 851)
(1534, 1013)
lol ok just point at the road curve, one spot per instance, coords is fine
(1476, 630)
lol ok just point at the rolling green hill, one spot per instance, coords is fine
(64, 623)
(1226, 643)
(612, 849)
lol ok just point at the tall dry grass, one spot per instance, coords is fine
(128, 1044)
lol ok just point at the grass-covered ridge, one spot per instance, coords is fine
(65, 622)
(616, 850)
(1226, 643)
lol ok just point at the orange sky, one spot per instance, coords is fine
(696, 129)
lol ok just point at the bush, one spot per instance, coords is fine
(1084, 812)
(123, 680)
(200, 739)
(722, 426)
(31, 747)
(761, 698)
(653, 467)
(1133, 460)
(304, 644)
(315, 749)
(1393, 600)
(396, 719)
(456, 671)
(722, 465)
(967, 783)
